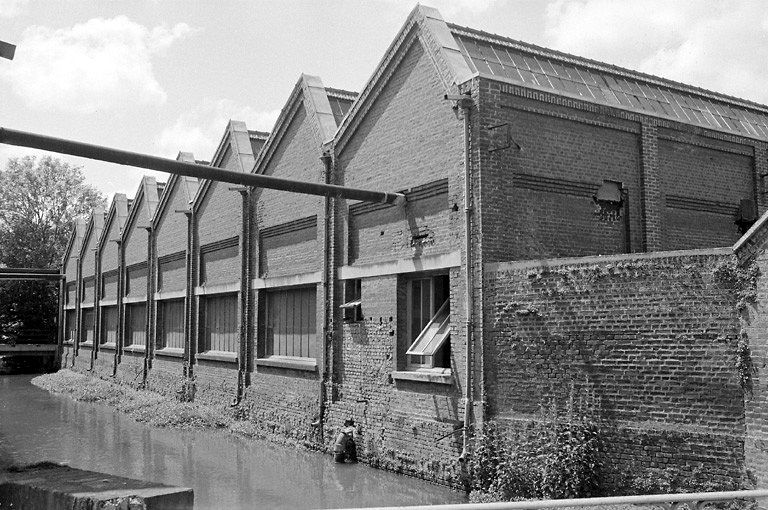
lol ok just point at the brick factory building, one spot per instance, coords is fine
(584, 206)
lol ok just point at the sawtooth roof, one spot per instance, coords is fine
(497, 57)
(340, 101)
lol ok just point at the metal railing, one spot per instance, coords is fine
(694, 501)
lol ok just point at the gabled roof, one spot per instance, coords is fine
(188, 187)
(499, 58)
(428, 25)
(118, 212)
(146, 199)
(75, 240)
(93, 228)
(241, 142)
(324, 106)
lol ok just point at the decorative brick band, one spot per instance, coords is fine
(219, 245)
(171, 257)
(564, 187)
(700, 204)
(428, 190)
(291, 226)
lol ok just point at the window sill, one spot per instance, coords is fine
(88, 345)
(228, 357)
(134, 348)
(306, 364)
(110, 346)
(171, 352)
(69, 342)
(425, 375)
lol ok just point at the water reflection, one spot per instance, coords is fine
(225, 471)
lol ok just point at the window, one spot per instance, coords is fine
(428, 321)
(171, 323)
(352, 300)
(219, 328)
(290, 325)
(71, 325)
(136, 324)
(89, 326)
(108, 325)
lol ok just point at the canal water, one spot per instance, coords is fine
(225, 471)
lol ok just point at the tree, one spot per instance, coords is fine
(39, 201)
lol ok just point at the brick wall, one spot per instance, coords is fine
(652, 339)
(702, 183)
(752, 255)
(542, 158)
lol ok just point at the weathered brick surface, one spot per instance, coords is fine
(290, 253)
(651, 340)
(755, 331)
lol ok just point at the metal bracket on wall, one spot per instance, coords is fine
(501, 138)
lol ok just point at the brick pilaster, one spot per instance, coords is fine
(652, 201)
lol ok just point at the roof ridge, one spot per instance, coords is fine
(612, 68)
(341, 93)
(258, 135)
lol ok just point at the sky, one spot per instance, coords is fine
(163, 76)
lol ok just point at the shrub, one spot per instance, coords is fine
(554, 457)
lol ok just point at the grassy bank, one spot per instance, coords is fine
(141, 406)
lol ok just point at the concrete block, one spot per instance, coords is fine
(54, 486)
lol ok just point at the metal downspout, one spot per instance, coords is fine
(120, 313)
(328, 282)
(60, 323)
(96, 307)
(189, 344)
(78, 310)
(148, 311)
(244, 300)
(466, 105)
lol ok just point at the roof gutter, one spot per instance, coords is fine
(121, 157)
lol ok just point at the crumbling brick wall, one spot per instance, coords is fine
(650, 340)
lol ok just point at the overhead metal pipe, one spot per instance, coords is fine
(121, 157)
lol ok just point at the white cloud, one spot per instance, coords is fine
(12, 8)
(200, 129)
(101, 64)
(450, 8)
(722, 46)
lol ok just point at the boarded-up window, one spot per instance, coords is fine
(108, 325)
(89, 326)
(88, 290)
(136, 280)
(71, 325)
(71, 290)
(171, 322)
(172, 274)
(136, 324)
(291, 322)
(109, 285)
(219, 328)
(219, 262)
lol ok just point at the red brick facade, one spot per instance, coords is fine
(649, 334)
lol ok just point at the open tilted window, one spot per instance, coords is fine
(429, 323)
(352, 300)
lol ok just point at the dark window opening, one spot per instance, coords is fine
(352, 300)
(429, 325)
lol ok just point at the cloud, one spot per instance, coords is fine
(450, 8)
(101, 64)
(200, 129)
(12, 8)
(722, 46)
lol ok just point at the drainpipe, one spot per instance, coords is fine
(60, 323)
(78, 311)
(120, 313)
(96, 307)
(242, 357)
(328, 282)
(148, 311)
(189, 344)
(466, 105)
